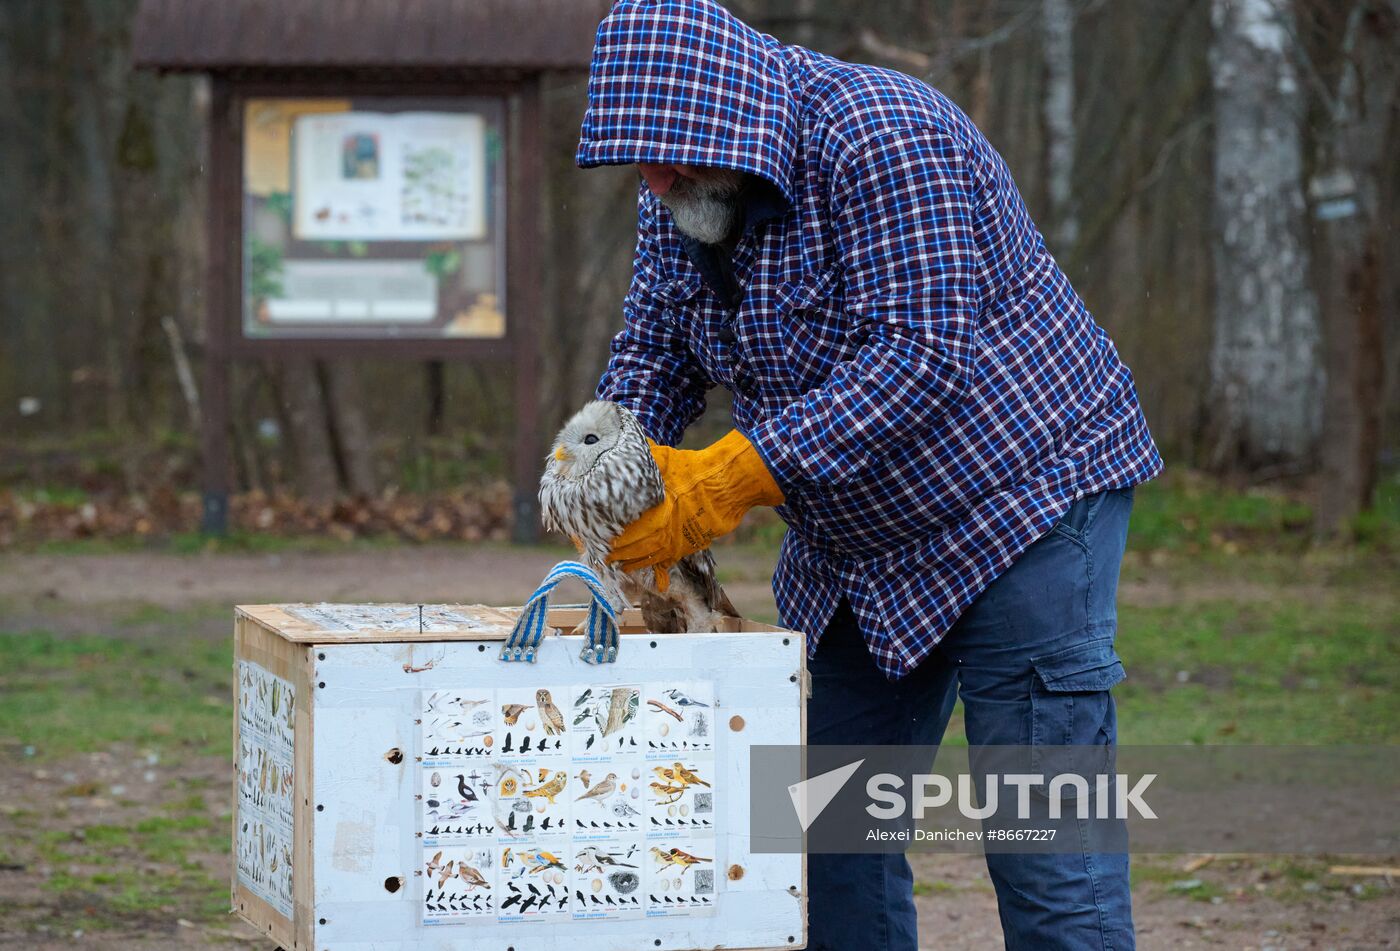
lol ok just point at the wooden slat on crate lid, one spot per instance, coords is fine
(307, 623)
(335, 624)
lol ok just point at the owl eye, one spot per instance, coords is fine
(590, 439)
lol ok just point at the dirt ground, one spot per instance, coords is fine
(1236, 902)
(494, 574)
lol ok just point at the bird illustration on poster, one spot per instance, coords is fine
(568, 828)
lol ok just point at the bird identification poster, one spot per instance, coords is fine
(263, 846)
(567, 802)
(373, 176)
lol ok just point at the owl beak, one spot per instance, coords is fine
(561, 454)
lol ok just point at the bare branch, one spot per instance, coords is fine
(913, 60)
(1190, 130)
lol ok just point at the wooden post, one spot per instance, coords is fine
(524, 244)
(214, 433)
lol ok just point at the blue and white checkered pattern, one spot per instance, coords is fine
(911, 363)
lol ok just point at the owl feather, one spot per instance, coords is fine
(599, 477)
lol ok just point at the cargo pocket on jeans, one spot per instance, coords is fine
(1071, 707)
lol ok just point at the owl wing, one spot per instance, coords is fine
(692, 603)
(663, 613)
(555, 718)
(699, 570)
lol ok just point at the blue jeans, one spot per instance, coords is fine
(1033, 660)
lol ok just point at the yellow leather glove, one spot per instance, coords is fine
(707, 493)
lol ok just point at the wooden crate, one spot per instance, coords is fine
(355, 722)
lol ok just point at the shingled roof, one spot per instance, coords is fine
(230, 35)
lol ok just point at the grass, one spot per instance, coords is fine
(922, 887)
(1187, 512)
(1289, 670)
(1167, 877)
(65, 695)
(53, 495)
(151, 869)
(146, 694)
(1285, 878)
(1184, 512)
(1282, 672)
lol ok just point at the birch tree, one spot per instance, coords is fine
(1265, 376)
(1057, 19)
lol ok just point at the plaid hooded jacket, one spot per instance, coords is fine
(910, 362)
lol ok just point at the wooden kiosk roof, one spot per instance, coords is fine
(224, 36)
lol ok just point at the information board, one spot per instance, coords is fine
(370, 218)
(374, 176)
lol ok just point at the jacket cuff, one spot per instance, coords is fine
(777, 455)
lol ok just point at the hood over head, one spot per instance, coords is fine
(684, 82)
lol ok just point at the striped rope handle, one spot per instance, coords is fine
(525, 637)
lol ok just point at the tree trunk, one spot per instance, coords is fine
(435, 381)
(1347, 204)
(1057, 17)
(247, 383)
(345, 413)
(1265, 376)
(1349, 286)
(96, 108)
(309, 435)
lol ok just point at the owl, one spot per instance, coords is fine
(599, 477)
(550, 717)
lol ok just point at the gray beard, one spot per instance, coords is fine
(706, 210)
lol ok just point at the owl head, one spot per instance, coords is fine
(542, 696)
(585, 438)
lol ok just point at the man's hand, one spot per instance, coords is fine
(707, 493)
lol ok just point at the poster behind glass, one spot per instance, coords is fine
(373, 218)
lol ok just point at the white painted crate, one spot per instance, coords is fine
(331, 797)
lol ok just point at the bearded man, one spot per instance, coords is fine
(917, 389)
